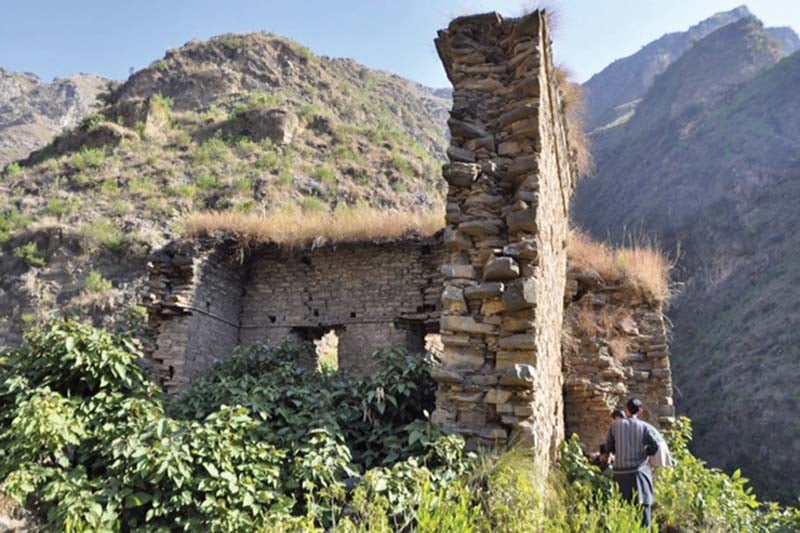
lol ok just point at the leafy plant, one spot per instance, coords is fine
(29, 252)
(96, 283)
(88, 158)
(12, 170)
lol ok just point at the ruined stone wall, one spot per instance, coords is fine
(615, 348)
(193, 306)
(206, 298)
(510, 182)
(372, 295)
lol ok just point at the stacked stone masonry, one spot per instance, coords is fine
(510, 179)
(515, 367)
(207, 298)
(615, 348)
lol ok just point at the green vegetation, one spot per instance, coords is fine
(12, 170)
(12, 220)
(96, 283)
(104, 233)
(262, 442)
(207, 182)
(258, 99)
(88, 158)
(59, 207)
(29, 252)
(311, 203)
(211, 150)
(164, 103)
(324, 175)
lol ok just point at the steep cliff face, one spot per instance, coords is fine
(32, 112)
(709, 166)
(613, 93)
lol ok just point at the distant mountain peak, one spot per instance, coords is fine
(611, 91)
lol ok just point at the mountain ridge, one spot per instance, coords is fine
(717, 183)
(612, 92)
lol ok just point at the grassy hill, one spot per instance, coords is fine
(709, 166)
(244, 123)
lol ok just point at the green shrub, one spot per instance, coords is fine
(211, 150)
(346, 153)
(700, 498)
(12, 170)
(263, 443)
(88, 158)
(58, 207)
(104, 233)
(29, 252)
(207, 182)
(402, 165)
(165, 103)
(110, 187)
(310, 203)
(96, 283)
(324, 175)
(11, 221)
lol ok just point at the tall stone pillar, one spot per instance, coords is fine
(509, 179)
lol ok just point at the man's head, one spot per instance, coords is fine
(633, 407)
(617, 414)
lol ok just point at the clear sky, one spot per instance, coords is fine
(54, 38)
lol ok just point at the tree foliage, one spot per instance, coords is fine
(261, 443)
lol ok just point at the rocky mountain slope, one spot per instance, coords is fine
(32, 112)
(709, 165)
(612, 94)
(249, 123)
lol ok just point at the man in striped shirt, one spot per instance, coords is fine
(632, 441)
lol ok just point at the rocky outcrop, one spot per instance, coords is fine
(32, 112)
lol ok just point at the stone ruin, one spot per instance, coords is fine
(518, 364)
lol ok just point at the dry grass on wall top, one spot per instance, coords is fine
(574, 99)
(641, 266)
(296, 228)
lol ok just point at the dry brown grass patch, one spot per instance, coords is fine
(575, 109)
(296, 228)
(641, 266)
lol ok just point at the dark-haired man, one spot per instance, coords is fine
(632, 442)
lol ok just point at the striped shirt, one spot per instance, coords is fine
(632, 442)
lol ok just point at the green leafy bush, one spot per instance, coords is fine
(12, 170)
(104, 233)
(262, 443)
(96, 283)
(29, 252)
(88, 158)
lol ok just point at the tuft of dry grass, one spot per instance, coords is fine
(574, 98)
(641, 266)
(294, 228)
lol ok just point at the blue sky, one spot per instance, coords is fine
(61, 37)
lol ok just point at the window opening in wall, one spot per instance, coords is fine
(272, 319)
(326, 346)
(353, 314)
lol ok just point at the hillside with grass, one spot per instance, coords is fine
(238, 125)
(32, 112)
(709, 167)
